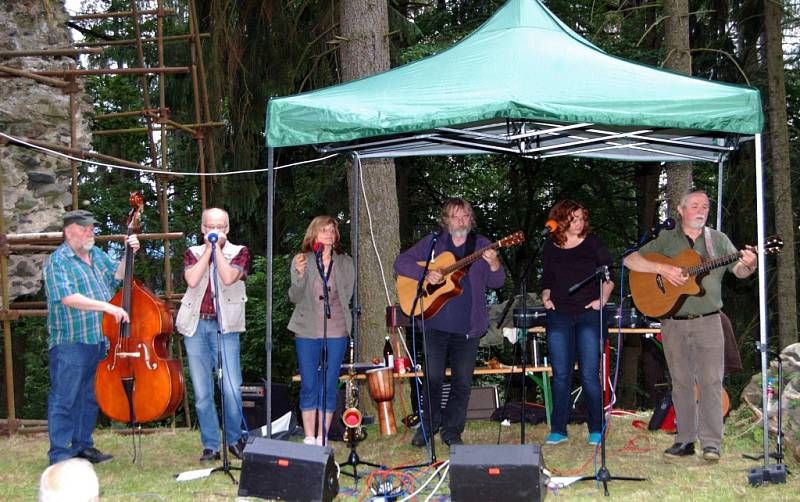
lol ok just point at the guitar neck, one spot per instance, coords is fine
(463, 262)
(710, 265)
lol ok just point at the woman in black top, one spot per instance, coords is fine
(573, 320)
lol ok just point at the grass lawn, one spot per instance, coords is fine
(630, 452)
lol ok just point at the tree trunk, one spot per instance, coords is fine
(365, 51)
(676, 40)
(781, 174)
(647, 201)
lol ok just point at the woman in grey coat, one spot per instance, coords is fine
(321, 263)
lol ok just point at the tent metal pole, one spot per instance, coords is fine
(720, 180)
(354, 237)
(762, 292)
(268, 337)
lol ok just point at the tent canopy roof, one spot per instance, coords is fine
(523, 83)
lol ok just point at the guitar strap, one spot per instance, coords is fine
(469, 246)
(709, 243)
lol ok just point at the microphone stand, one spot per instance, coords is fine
(522, 326)
(601, 275)
(226, 467)
(772, 473)
(327, 315)
(425, 414)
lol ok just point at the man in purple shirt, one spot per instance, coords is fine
(455, 330)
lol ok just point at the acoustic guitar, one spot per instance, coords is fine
(655, 296)
(436, 295)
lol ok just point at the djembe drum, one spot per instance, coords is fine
(381, 388)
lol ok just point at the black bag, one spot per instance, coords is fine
(513, 412)
(660, 413)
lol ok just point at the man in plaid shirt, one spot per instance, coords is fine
(199, 321)
(79, 282)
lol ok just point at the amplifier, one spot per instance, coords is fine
(483, 400)
(254, 403)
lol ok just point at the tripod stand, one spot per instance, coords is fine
(522, 322)
(226, 467)
(603, 475)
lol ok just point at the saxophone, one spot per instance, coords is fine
(352, 416)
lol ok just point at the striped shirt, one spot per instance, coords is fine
(66, 274)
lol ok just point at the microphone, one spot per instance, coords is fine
(213, 237)
(317, 247)
(549, 227)
(667, 224)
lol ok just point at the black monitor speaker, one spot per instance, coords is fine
(497, 472)
(280, 470)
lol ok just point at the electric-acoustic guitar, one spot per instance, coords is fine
(655, 296)
(434, 296)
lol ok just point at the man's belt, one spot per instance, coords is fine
(208, 317)
(692, 316)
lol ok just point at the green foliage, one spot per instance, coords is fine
(37, 377)
(263, 49)
(253, 349)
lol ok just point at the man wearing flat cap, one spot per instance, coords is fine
(79, 279)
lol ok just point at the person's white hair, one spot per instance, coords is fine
(72, 480)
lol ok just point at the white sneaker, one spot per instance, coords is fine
(309, 440)
(318, 440)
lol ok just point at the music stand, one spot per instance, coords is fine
(601, 275)
(226, 467)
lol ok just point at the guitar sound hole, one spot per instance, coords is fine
(431, 288)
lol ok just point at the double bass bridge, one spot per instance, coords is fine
(151, 365)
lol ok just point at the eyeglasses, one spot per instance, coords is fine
(215, 227)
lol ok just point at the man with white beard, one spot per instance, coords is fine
(692, 336)
(79, 279)
(454, 332)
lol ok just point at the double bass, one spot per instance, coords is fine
(138, 381)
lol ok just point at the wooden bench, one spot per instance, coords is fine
(539, 374)
(480, 370)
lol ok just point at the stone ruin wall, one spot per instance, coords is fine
(36, 187)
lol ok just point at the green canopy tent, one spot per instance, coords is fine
(524, 84)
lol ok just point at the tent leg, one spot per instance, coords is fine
(355, 238)
(720, 181)
(766, 473)
(268, 337)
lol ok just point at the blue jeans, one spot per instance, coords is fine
(72, 404)
(461, 351)
(571, 338)
(201, 350)
(309, 362)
